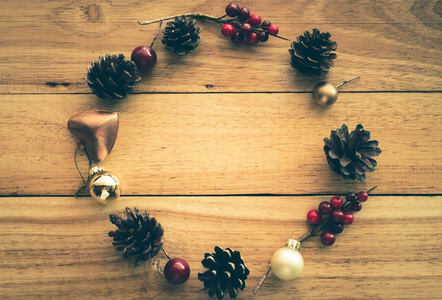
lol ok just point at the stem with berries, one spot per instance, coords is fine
(329, 220)
(240, 25)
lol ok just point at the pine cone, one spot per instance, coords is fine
(351, 155)
(311, 54)
(111, 76)
(227, 271)
(138, 235)
(181, 37)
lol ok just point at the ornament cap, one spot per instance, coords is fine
(293, 244)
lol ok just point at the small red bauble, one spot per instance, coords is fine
(252, 39)
(325, 207)
(337, 216)
(273, 30)
(313, 217)
(177, 271)
(348, 218)
(336, 202)
(227, 30)
(362, 196)
(255, 19)
(144, 57)
(232, 10)
(328, 238)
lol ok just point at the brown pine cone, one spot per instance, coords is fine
(138, 235)
(227, 272)
(112, 76)
(351, 155)
(312, 53)
(181, 37)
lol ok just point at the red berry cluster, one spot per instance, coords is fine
(332, 216)
(245, 26)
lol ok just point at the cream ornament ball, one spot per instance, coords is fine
(287, 262)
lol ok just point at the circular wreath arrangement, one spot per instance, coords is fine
(140, 236)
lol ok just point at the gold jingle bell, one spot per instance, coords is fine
(325, 93)
(104, 186)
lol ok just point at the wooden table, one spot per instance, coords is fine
(224, 147)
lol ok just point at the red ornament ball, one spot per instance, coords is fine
(144, 57)
(348, 218)
(328, 238)
(255, 19)
(362, 196)
(227, 30)
(177, 271)
(336, 202)
(273, 30)
(313, 217)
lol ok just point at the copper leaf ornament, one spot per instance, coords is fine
(97, 129)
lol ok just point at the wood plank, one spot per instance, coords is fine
(56, 247)
(186, 144)
(393, 45)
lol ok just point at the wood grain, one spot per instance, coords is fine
(223, 143)
(224, 147)
(58, 247)
(394, 45)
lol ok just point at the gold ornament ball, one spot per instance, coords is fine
(287, 263)
(325, 93)
(104, 187)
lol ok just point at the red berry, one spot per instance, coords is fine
(350, 197)
(177, 271)
(348, 218)
(236, 38)
(255, 19)
(336, 202)
(228, 30)
(362, 196)
(273, 30)
(245, 29)
(244, 14)
(232, 10)
(252, 39)
(328, 238)
(263, 36)
(313, 217)
(337, 228)
(357, 206)
(144, 57)
(266, 24)
(325, 208)
(337, 216)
